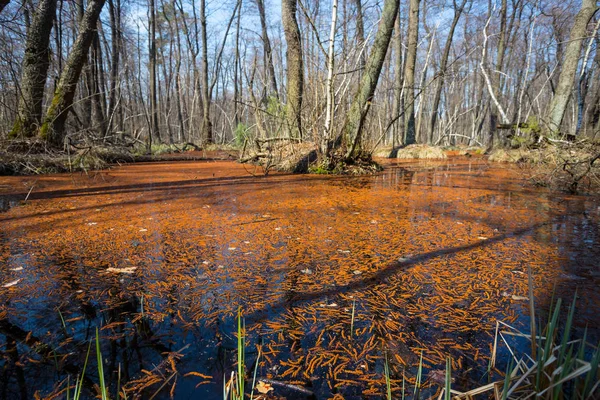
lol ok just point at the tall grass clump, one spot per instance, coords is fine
(556, 366)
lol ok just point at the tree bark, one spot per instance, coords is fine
(268, 52)
(409, 72)
(558, 105)
(330, 107)
(593, 112)
(398, 133)
(295, 68)
(154, 133)
(115, 16)
(52, 129)
(206, 121)
(458, 9)
(236, 73)
(35, 70)
(360, 34)
(353, 125)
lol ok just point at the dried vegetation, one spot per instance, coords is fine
(568, 166)
(419, 151)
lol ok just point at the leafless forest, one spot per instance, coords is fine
(345, 75)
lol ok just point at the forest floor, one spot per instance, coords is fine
(32, 157)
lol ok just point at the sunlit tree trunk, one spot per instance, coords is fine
(154, 133)
(34, 70)
(115, 16)
(409, 71)
(360, 32)
(295, 68)
(236, 72)
(54, 123)
(495, 79)
(353, 126)
(398, 133)
(268, 52)
(458, 9)
(206, 122)
(330, 106)
(558, 105)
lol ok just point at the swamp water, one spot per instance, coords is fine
(160, 257)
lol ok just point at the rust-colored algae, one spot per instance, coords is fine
(160, 256)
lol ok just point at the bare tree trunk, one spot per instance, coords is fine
(114, 12)
(329, 86)
(353, 125)
(409, 71)
(295, 67)
(558, 105)
(236, 74)
(35, 70)
(360, 33)
(178, 94)
(98, 116)
(154, 133)
(54, 123)
(496, 82)
(206, 121)
(398, 134)
(268, 53)
(593, 113)
(458, 9)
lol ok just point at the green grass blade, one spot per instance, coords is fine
(352, 321)
(79, 381)
(103, 389)
(592, 375)
(419, 373)
(254, 375)
(448, 383)
(509, 368)
(388, 384)
(240, 356)
(403, 384)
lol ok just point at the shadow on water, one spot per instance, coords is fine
(421, 257)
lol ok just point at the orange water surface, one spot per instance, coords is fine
(332, 274)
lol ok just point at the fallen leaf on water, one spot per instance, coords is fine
(263, 387)
(9, 284)
(126, 270)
